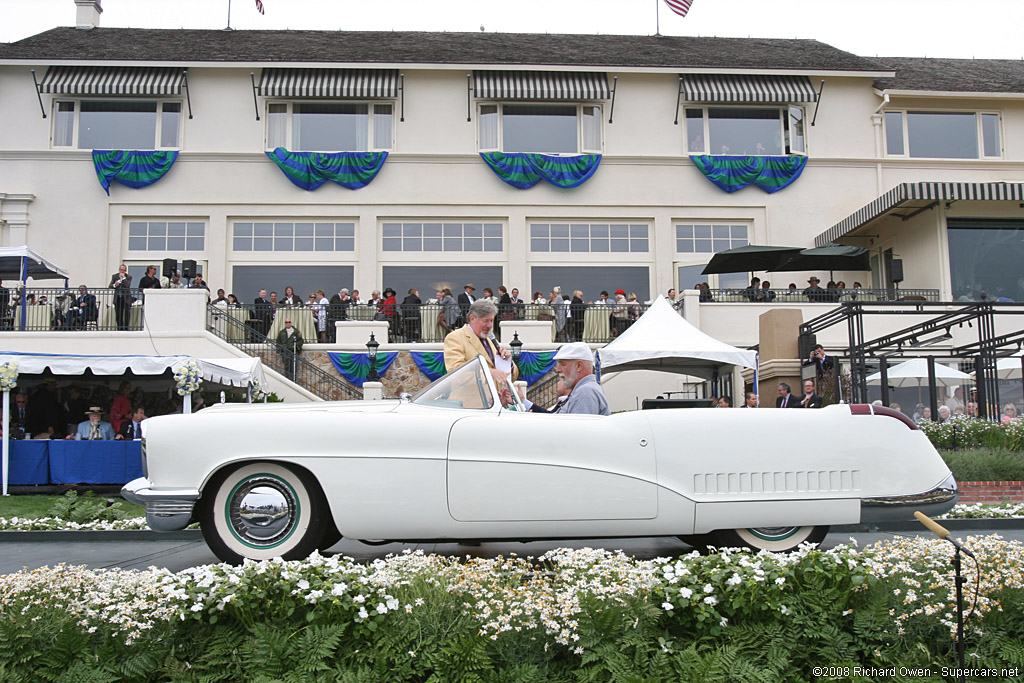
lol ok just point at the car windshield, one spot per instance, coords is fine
(466, 388)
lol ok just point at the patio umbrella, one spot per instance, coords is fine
(748, 259)
(914, 373)
(830, 258)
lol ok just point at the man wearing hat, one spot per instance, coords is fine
(465, 300)
(93, 429)
(475, 338)
(574, 364)
(814, 292)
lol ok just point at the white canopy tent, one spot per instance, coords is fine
(663, 340)
(229, 372)
(21, 263)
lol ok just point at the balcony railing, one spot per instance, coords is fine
(233, 325)
(62, 309)
(824, 296)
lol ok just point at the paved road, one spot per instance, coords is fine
(138, 550)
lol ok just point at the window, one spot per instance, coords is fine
(540, 128)
(589, 237)
(329, 126)
(428, 279)
(591, 280)
(294, 236)
(709, 238)
(986, 259)
(942, 134)
(120, 124)
(167, 235)
(442, 236)
(248, 280)
(745, 131)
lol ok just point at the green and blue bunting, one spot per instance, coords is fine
(526, 170)
(730, 173)
(133, 168)
(354, 367)
(535, 364)
(430, 363)
(310, 170)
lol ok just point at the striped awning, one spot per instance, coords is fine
(329, 83)
(747, 89)
(107, 81)
(541, 85)
(905, 195)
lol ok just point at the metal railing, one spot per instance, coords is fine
(544, 393)
(49, 308)
(253, 342)
(824, 296)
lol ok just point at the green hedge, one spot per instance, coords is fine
(984, 464)
(571, 615)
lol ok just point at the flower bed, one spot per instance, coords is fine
(568, 615)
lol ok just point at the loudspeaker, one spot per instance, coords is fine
(896, 269)
(188, 269)
(806, 344)
(170, 265)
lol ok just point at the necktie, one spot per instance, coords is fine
(137, 430)
(487, 348)
(94, 431)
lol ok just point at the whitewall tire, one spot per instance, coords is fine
(263, 510)
(773, 539)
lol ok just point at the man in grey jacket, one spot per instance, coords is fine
(574, 363)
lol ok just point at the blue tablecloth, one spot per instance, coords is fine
(29, 463)
(95, 462)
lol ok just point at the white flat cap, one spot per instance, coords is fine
(575, 351)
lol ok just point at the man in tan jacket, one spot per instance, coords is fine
(476, 339)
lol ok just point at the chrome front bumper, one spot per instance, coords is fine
(936, 501)
(167, 509)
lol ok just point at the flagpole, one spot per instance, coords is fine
(657, 18)
(229, 15)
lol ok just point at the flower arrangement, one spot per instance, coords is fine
(188, 378)
(256, 389)
(8, 375)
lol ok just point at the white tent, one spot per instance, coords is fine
(232, 372)
(663, 340)
(914, 373)
(19, 263)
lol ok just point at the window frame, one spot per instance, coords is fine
(289, 129)
(403, 257)
(702, 258)
(785, 114)
(979, 117)
(581, 136)
(165, 252)
(242, 255)
(157, 127)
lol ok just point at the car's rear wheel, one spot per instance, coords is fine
(776, 539)
(263, 510)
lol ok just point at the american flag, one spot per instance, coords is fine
(259, 6)
(680, 7)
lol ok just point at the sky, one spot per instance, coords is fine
(984, 29)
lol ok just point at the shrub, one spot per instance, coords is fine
(984, 464)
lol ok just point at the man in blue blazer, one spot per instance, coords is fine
(93, 429)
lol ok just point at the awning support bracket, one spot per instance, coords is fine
(255, 102)
(921, 210)
(469, 97)
(679, 99)
(188, 93)
(39, 94)
(818, 102)
(401, 97)
(615, 86)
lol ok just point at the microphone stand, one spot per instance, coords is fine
(958, 579)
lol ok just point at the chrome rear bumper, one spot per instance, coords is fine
(167, 509)
(936, 501)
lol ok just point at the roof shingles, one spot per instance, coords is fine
(953, 75)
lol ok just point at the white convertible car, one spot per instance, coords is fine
(452, 463)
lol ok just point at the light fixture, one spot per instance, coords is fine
(946, 336)
(517, 347)
(371, 352)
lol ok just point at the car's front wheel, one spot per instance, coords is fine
(263, 510)
(776, 539)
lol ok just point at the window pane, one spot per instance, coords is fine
(412, 244)
(592, 129)
(382, 126)
(560, 230)
(550, 129)
(330, 127)
(453, 244)
(598, 230)
(263, 229)
(431, 229)
(986, 260)
(720, 245)
(720, 231)
(117, 125)
(277, 126)
(539, 230)
(473, 230)
(620, 231)
(282, 244)
(473, 244)
(137, 229)
(492, 244)
(560, 245)
(796, 130)
(942, 135)
(196, 230)
(283, 230)
(600, 245)
(195, 244)
(345, 244)
(392, 244)
(695, 131)
(242, 244)
(638, 245)
(894, 132)
(702, 231)
(620, 246)
(136, 244)
(745, 131)
(492, 230)
(325, 229)
(580, 245)
(702, 246)
(431, 244)
(324, 244)
(170, 123)
(303, 229)
(488, 126)
(391, 230)
(990, 135)
(684, 231)
(263, 244)
(453, 230)
(157, 228)
(303, 244)
(539, 245)
(638, 231)
(739, 232)
(176, 229)
(64, 124)
(175, 244)
(592, 279)
(157, 243)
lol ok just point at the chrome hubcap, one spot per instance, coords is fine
(262, 511)
(774, 533)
